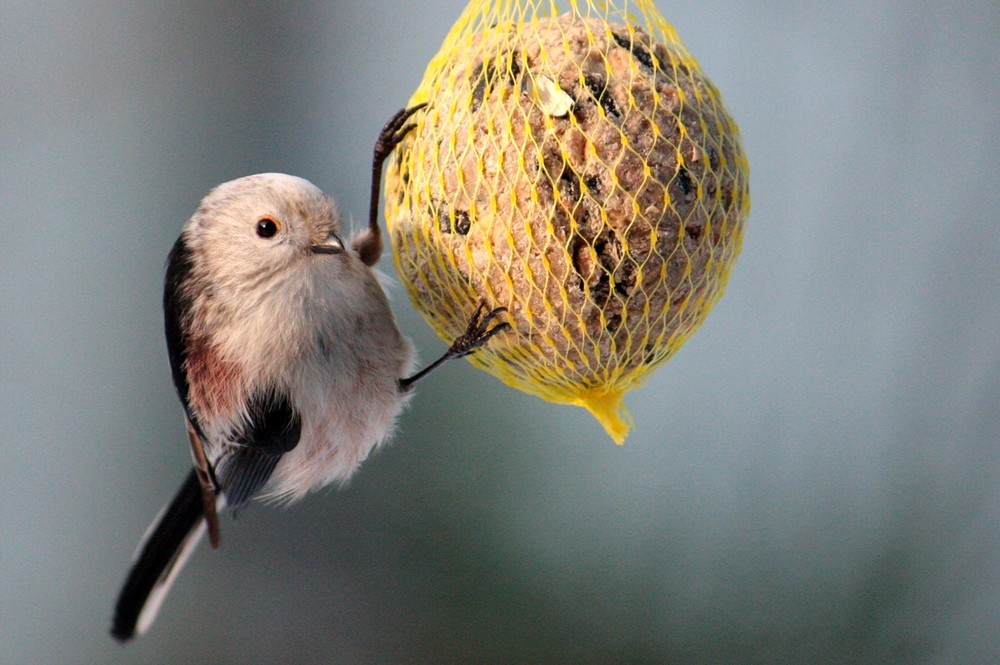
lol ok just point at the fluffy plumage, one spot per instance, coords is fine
(285, 355)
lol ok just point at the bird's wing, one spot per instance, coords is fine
(177, 303)
(272, 428)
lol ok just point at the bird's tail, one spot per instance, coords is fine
(161, 554)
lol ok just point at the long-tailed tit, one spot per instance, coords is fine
(286, 357)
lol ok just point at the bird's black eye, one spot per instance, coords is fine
(267, 227)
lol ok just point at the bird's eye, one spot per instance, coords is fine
(267, 227)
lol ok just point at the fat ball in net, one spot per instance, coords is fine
(574, 165)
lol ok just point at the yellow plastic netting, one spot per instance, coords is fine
(575, 166)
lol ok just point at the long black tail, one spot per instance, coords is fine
(161, 555)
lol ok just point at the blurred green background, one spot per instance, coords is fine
(815, 477)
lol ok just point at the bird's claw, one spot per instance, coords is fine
(479, 331)
(395, 131)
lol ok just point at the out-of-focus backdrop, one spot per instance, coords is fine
(814, 478)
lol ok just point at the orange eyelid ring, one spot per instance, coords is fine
(268, 227)
(332, 245)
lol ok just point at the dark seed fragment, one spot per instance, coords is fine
(651, 354)
(479, 87)
(515, 67)
(459, 222)
(483, 76)
(462, 222)
(684, 183)
(638, 52)
(598, 87)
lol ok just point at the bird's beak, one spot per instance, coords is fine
(332, 245)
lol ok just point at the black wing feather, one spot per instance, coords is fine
(177, 302)
(273, 428)
(242, 472)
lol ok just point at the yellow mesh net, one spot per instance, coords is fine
(575, 166)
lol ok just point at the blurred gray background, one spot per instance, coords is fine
(813, 479)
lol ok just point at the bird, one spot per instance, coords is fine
(285, 355)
